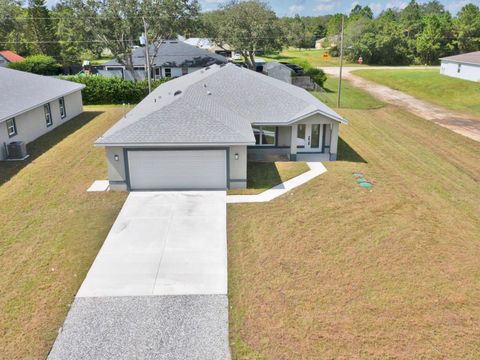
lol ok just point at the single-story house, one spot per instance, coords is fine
(463, 66)
(7, 56)
(32, 105)
(196, 132)
(173, 58)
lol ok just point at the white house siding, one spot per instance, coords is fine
(467, 71)
(117, 172)
(32, 124)
(3, 61)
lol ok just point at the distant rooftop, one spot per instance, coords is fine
(11, 56)
(467, 58)
(22, 91)
(174, 53)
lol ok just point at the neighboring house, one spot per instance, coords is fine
(327, 42)
(207, 44)
(195, 132)
(463, 66)
(173, 58)
(7, 56)
(32, 105)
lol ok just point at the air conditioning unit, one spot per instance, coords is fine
(17, 150)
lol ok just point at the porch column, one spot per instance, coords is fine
(293, 143)
(334, 141)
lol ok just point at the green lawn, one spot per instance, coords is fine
(51, 230)
(429, 85)
(332, 270)
(352, 97)
(313, 56)
(265, 175)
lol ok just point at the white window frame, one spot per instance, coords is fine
(260, 128)
(169, 72)
(48, 114)
(11, 127)
(63, 110)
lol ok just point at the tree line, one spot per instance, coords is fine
(74, 30)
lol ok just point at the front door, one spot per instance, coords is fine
(309, 137)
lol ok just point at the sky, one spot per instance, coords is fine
(324, 7)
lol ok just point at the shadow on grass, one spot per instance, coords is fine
(8, 169)
(346, 153)
(262, 175)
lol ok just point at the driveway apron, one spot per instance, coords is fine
(158, 287)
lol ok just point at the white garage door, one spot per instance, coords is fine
(177, 169)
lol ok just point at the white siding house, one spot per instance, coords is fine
(463, 66)
(32, 105)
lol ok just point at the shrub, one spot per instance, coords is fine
(112, 90)
(37, 64)
(334, 51)
(318, 76)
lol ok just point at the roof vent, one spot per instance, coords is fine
(209, 93)
(207, 68)
(204, 85)
(178, 92)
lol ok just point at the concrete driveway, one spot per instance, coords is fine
(158, 287)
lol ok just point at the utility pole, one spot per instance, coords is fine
(147, 56)
(341, 64)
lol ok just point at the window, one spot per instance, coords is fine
(168, 72)
(301, 128)
(61, 104)
(48, 114)
(157, 73)
(265, 135)
(459, 68)
(11, 127)
(184, 70)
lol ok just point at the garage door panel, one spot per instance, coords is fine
(177, 169)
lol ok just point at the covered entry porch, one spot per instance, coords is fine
(312, 140)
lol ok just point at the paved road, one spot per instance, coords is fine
(158, 287)
(465, 125)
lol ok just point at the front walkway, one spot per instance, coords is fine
(316, 169)
(158, 287)
(458, 122)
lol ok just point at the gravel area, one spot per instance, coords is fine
(145, 327)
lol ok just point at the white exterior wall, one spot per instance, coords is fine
(117, 172)
(238, 168)
(32, 124)
(116, 169)
(467, 71)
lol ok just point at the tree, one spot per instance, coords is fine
(248, 27)
(433, 7)
(118, 24)
(467, 28)
(433, 43)
(41, 30)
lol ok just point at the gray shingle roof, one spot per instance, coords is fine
(468, 58)
(22, 91)
(214, 105)
(173, 53)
